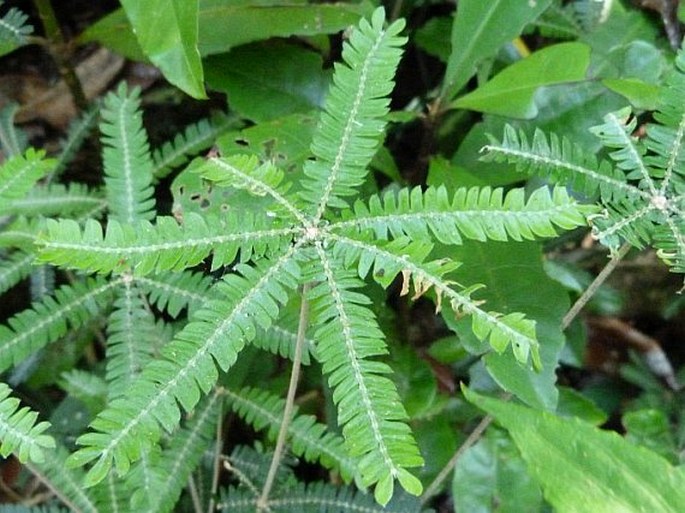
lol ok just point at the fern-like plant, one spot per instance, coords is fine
(316, 238)
(642, 188)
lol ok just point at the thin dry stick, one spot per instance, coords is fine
(217, 459)
(262, 502)
(597, 282)
(475, 435)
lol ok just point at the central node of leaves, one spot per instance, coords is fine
(311, 232)
(660, 201)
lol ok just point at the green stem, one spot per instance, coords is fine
(58, 50)
(262, 502)
(597, 282)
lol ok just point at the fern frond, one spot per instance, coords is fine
(13, 140)
(65, 483)
(14, 268)
(401, 256)
(111, 495)
(55, 199)
(47, 320)
(87, 387)
(126, 157)
(187, 365)
(561, 161)
(78, 130)
(245, 172)
(19, 432)
(131, 334)
(170, 472)
(477, 213)
(670, 243)
(20, 173)
(308, 438)
(369, 408)
(172, 292)
(165, 246)
(315, 498)
(194, 138)
(21, 234)
(351, 125)
(616, 134)
(281, 337)
(665, 140)
(13, 30)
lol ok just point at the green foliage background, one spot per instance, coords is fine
(321, 232)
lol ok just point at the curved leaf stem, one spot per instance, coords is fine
(475, 435)
(262, 502)
(592, 288)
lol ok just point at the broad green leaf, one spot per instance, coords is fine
(510, 93)
(651, 428)
(640, 94)
(492, 471)
(265, 82)
(574, 404)
(226, 24)
(434, 37)
(584, 469)
(167, 31)
(507, 269)
(284, 141)
(479, 30)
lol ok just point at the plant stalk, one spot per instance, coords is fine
(262, 502)
(58, 50)
(217, 459)
(596, 283)
(475, 435)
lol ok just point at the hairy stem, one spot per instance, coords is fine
(475, 435)
(262, 502)
(597, 282)
(59, 52)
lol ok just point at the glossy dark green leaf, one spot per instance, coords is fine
(479, 30)
(652, 429)
(506, 269)
(167, 31)
(284, 141)
(226, 24)
(265, 82)
(511, 92)
(491, 476)
(584, 469)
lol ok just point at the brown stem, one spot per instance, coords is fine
(262, 502)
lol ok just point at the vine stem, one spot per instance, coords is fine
(596, 283)
(475, 435)
(262, 502)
